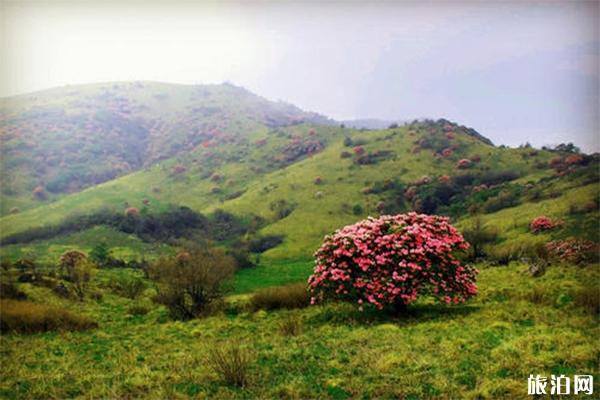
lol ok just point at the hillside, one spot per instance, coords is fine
(62, 140)
(328, 175)
(228, 220)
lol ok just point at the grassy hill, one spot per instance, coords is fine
(332, 176)
(273, 180)
(63, 140)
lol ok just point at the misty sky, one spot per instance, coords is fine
(516, 72)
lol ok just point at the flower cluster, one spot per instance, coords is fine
(391, 260)
(464, 163)
(574, 251)
(542, 223)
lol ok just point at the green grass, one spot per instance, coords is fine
(122, 246)
(484, 349)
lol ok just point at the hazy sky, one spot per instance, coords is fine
(516, 72)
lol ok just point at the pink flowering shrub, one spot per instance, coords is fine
(390, 260)
(574, 251)
(464, 163)
(542, 223)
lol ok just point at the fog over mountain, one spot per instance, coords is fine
(517, 72)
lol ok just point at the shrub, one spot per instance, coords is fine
(264, 243)
(132, 212)
(357, 209)
(8, 290)
(477, 236)
(39, 193)
(463, 163)
(189, 283)
(70, 258)
(100, 254)
(588, 298)
(504, 199)
(291, 326)
(345, 154)
(231, 363)
(129, 287)
(391, 260)
(138, 309)
(80, 276)
(576, 251)
(287, 296)
(28, 317)
(541, 224)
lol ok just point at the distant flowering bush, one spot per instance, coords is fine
(359, 150)
(444, 179)
(132, 212)
(464, 163)
(542, 223)
(447, 152)
(574, 251)
(390, 260)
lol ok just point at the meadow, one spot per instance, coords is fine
(88, 308)
(516, 326)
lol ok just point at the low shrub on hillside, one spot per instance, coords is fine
(290, 326)
(589, 299)
(138, 309)
(264, 243)
(8, 290)
(288, 296)
(576, 251)
(231, 362)
(129, 287)
(541, 224)
(478, 235)
(190, 282)
(28, 317)
(391, 260)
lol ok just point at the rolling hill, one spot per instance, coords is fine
(63, 140)
(222, 148)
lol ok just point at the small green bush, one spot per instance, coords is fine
(138, 309)
(28, 317)
(288, 296)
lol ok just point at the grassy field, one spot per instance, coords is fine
(487, 348)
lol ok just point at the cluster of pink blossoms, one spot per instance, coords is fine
(391, 260)
(542, 223)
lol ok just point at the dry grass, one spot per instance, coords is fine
(588, 298)
(230, 362)
(28, 317)
(288, 296)
(291, 326)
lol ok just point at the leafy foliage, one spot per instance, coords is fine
(391, 260)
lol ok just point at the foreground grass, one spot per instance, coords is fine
(486, 349)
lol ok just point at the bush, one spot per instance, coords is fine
(391, 260)
(28, 317)
(231, 363)
(588, 298)
(138, 309)
(129, 287)
(575, 251)
(262, 244)
(188, 283)
(477, 236)
(291, 326)
(8, 290)
(288, 296)
(504, 199)
(541, 224)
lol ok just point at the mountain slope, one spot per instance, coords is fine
(63, 140)
(304, 181)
